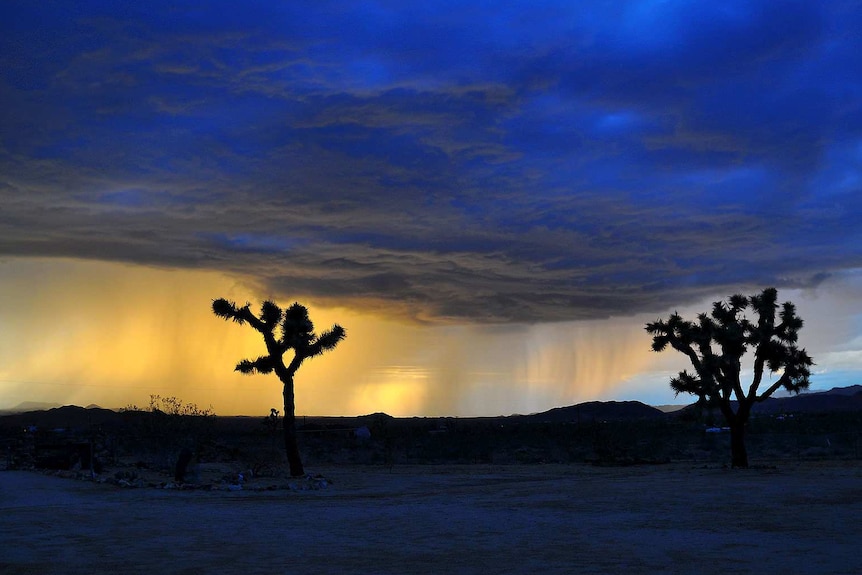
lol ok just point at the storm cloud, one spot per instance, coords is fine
(446, 162)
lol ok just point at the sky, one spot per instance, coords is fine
(492, 199)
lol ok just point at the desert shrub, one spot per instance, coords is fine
(167, 426)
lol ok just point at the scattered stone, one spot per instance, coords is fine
(308, 483)
(135, 477)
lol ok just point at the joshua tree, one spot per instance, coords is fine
(297, 334)
(715, 344)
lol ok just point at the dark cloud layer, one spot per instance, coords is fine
(445, 161)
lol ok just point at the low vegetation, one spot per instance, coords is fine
(153, 439)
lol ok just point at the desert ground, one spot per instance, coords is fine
(793, 518)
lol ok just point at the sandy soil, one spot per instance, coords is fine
(794, 519)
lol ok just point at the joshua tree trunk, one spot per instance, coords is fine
(738, 454)
(290, 444)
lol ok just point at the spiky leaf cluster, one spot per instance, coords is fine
(716, 342)
(296, 332)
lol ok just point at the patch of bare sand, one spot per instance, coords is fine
(796, 519)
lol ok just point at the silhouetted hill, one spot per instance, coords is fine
(837, 399)
(69, 416)
(597, 411)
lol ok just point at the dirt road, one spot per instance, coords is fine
(676, 518)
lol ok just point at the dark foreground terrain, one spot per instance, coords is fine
(793, 518)
(596, 488)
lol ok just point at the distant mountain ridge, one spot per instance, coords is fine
(29, 406)
(836, 399)
(597, 411)
(849, 390)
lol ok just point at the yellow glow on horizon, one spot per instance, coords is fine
(397, 390)
(112, 334)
